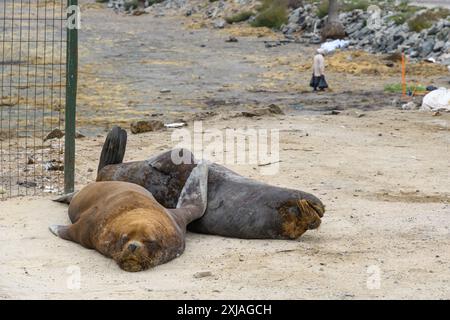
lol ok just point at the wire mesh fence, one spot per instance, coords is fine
(32, 96)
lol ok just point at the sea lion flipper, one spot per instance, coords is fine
(61, 231)
(113, 150)
(67, 198)
(195, 193)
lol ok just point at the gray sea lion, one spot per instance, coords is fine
(123, 221)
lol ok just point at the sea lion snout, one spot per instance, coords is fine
(312, 213)
(298, 216)
(315, 224)
(133, 246)
(134, 257)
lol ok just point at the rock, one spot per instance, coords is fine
(438, 46)
(272, 109)
(219, 23)
(231, 39)
(427, 47)
(202, 274)
(443, 35)
(315, 39)
(31, 160)
(54, 165)
(146, 126)
(203, 115)
(354, 27)
(131, 4)
(436, 28)
(272, 44)
(394, 57)
(138, 12)
(165, 91)
(54, 134)
(414, 54)
(396, 103)
(27, 184)
(79, 135)
(294, 17)
(332, 113)
(410, 106)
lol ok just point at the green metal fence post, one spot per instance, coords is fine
(71, 101)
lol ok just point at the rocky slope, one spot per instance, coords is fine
(386, 28)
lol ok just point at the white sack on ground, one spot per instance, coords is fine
(437, 100)
(333, 45)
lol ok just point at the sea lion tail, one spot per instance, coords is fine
(195, 192)
(67, 198)
(113, 150)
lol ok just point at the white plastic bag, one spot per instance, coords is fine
(437, 100)
(330, 46)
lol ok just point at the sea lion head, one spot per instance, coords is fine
(299, 216)
(143, 241)
(137, 255)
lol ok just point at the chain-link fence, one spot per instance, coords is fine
(33, 49)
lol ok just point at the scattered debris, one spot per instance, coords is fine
(7, 104)
(332, 113)
(146, 126)
(27, 184)
(51, 189)
(268, 163)
(231, 39)
(54, 165)
(175, 125)
(219, 23)
(31, 160)
(165, 90)
(276, 43)
(202, 274)
(204, 115)
(271, 109)
(79, 135)
(410, 106)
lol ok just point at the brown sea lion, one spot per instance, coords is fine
(123, 221)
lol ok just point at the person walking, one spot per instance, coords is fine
(318, 77)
